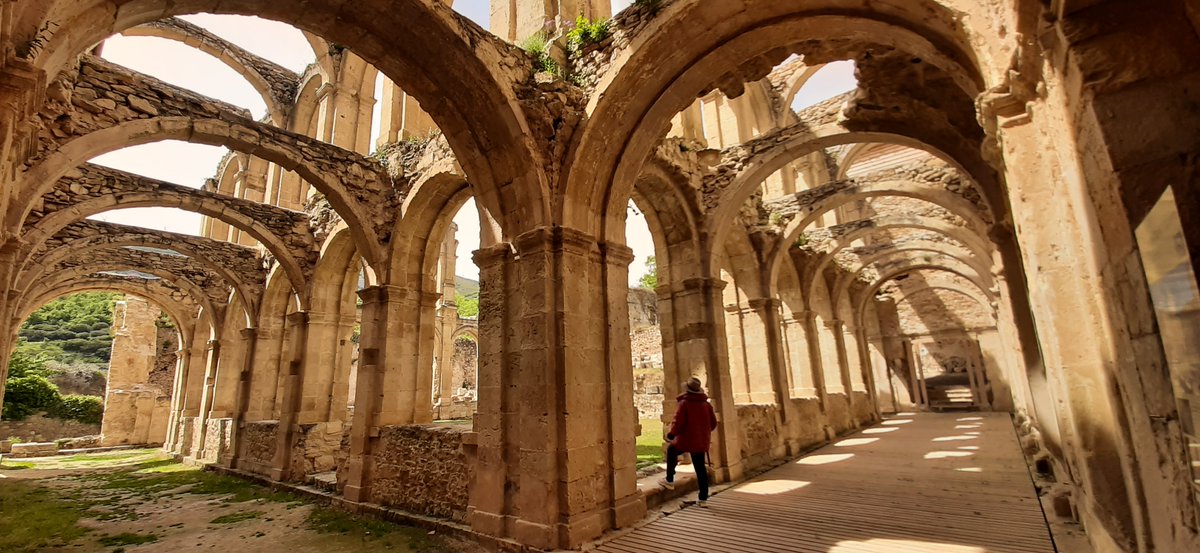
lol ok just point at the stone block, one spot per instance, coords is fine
(34, 449)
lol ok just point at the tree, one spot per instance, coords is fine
(468, 308)
(649, 280)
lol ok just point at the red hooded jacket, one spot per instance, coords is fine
(691, 431)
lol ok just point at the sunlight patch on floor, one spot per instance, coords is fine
(772, 487)
(879, 430)
(883, 545)
(954, 438)
(824, 459)
(947, 454)
(855, 441)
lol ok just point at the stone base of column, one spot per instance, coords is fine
(357, 494)
(629, 510)
(491, 524)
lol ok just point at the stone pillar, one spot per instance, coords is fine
(516, 20)
(343, 366)
(854, 359)
(495, 425)
(735, 338)
(768, 313)
(206, 398)
(816, 360)
(694, 345)
(799, 357)
(292, 381)
(134, 350)
(264, 376)
(319, 354)
(555, 415)
(389, 389)
(245, 376)
(178, 397)
(391, 114)
(865, 369)
(447, 318)
(836, 329)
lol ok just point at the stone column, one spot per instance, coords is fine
(264, 377)
(516, 20)
(695, 326)
(292, 381)
(209, 388)
(250, 338)
(319, 354)
(560, 423)
(389, 390)
(447, 318)
(837, 329)
(134, 349)
(866, 369)
(767, 311)
(490, 508)
(179, 391)
(816, 360)
(799, 357)
(342, 366)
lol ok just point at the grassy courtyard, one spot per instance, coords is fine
(144, 501)
(650, 443)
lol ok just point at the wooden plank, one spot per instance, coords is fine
(938, 483)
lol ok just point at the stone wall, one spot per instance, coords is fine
(258, 446)
(422, 469)
(40, 428)
(465, 364)
(646, 342)
(187, 437)
(136, 407)
(648, 394)
(216, 440)
(765, 438)
(643, 308)
(319, 447)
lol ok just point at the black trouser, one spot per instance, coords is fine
(697, 463)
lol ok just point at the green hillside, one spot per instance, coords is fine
(465, 287)
(468, 297)
(79, 326)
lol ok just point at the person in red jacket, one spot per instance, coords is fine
(690, 433)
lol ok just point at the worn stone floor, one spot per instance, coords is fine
(917, 483)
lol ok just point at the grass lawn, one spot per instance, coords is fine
(650, 443)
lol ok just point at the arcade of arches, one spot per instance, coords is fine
(999, 218)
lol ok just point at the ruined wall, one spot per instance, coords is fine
(423, 469)
(258, 446)
(40, 428)
(318, 448)
(215, 446)
(940, 310)
(648, 393)
(136, 408)
(643, 308)
(765, 438)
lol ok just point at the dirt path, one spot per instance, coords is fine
(141, 500)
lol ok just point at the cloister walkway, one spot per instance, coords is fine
(916, 483)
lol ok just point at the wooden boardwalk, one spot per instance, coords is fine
(923, 483)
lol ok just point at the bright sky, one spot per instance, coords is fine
(190, 164)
